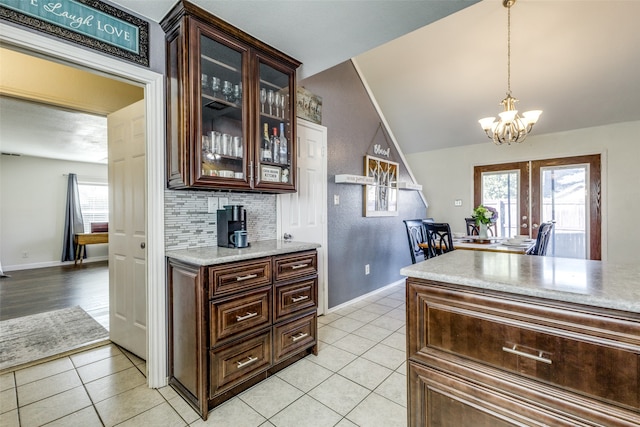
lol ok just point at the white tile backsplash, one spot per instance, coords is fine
(188, 224)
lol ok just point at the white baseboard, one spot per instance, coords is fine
(361, 297)
(50, 264)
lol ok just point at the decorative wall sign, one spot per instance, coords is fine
(270, 174)
(381, 198)
(89, 23)
(309, 106)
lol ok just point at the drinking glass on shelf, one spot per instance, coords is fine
(206, 147)
(263, 98)
(205, 81)
(270, 99)
(276, 102)
(283, 104)
(227, 90)
(215, 85)
(237, 93)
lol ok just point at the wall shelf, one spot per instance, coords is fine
(354, 179)
(404, 185)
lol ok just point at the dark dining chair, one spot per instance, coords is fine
(542, 241)
(415, 235)
(472, 228)
(439, 240)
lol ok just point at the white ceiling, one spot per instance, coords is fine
(577, 60)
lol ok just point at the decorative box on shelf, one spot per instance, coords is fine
(355, 179)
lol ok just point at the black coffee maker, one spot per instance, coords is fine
(230, 219)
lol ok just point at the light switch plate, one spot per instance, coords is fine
(213, 204)
(336, 199)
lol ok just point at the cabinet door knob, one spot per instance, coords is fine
(143, 245)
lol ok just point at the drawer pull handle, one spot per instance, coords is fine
(297, 266)
(247, 277)
(300, 298)
(538, 358)
(246, 316)
(299, 336)
(249, 361)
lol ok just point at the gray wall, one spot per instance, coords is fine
(355, 240)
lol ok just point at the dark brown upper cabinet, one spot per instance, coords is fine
(225, 89)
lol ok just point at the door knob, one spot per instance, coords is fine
(287, 236)
(524, 217)
(534, 226)
(524, 225)
(143, 245)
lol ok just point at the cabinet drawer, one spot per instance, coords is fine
(239, 314)
(239, 361)
(297, 265)
(555, 352)
(291, 298)
(239, 276)
(293, 336)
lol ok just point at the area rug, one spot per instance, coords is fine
(38, 337)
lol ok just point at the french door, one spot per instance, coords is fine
(565, 190)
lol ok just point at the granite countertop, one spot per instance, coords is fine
(594, 283)
(210, 255)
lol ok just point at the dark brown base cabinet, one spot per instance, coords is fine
(232, 325)
(488, 358)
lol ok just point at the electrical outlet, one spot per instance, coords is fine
(366, 269)
(457, 202)
(213, 205)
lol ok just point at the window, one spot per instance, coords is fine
(94, 202)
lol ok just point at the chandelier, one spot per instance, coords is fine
(510, 127)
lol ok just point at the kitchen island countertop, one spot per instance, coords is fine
(211, 255)
(593, 283)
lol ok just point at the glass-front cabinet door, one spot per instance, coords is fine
(222, 153)
(275, 153)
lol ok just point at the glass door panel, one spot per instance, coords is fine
(505, 187)
(223, 151)
(500, 190)
(274, 152)
(564, 201)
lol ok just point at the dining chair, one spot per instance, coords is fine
(542, 241)
(415, 235)
(472, 227)
(439, 240)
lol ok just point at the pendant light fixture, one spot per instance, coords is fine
(510, 126)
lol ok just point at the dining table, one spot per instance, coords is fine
(490, 244)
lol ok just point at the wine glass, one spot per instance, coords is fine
(263, 98)
(204, 81)
(215, 85)
(227, 90)
(283, 104)
(276, 102)
(270, 99)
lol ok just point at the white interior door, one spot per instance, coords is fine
(303, 215)
(127, 229)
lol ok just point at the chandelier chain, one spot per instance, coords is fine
(509, 50)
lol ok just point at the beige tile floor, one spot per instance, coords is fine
(357, 379)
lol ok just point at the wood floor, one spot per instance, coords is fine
(45, 289)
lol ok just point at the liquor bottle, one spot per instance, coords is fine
(266, 145)
(283, 146)
(275, 146)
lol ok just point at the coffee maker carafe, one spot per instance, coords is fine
(231, 219)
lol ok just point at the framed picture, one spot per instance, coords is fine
(270, 173)
(309, 106)
(381, 198)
